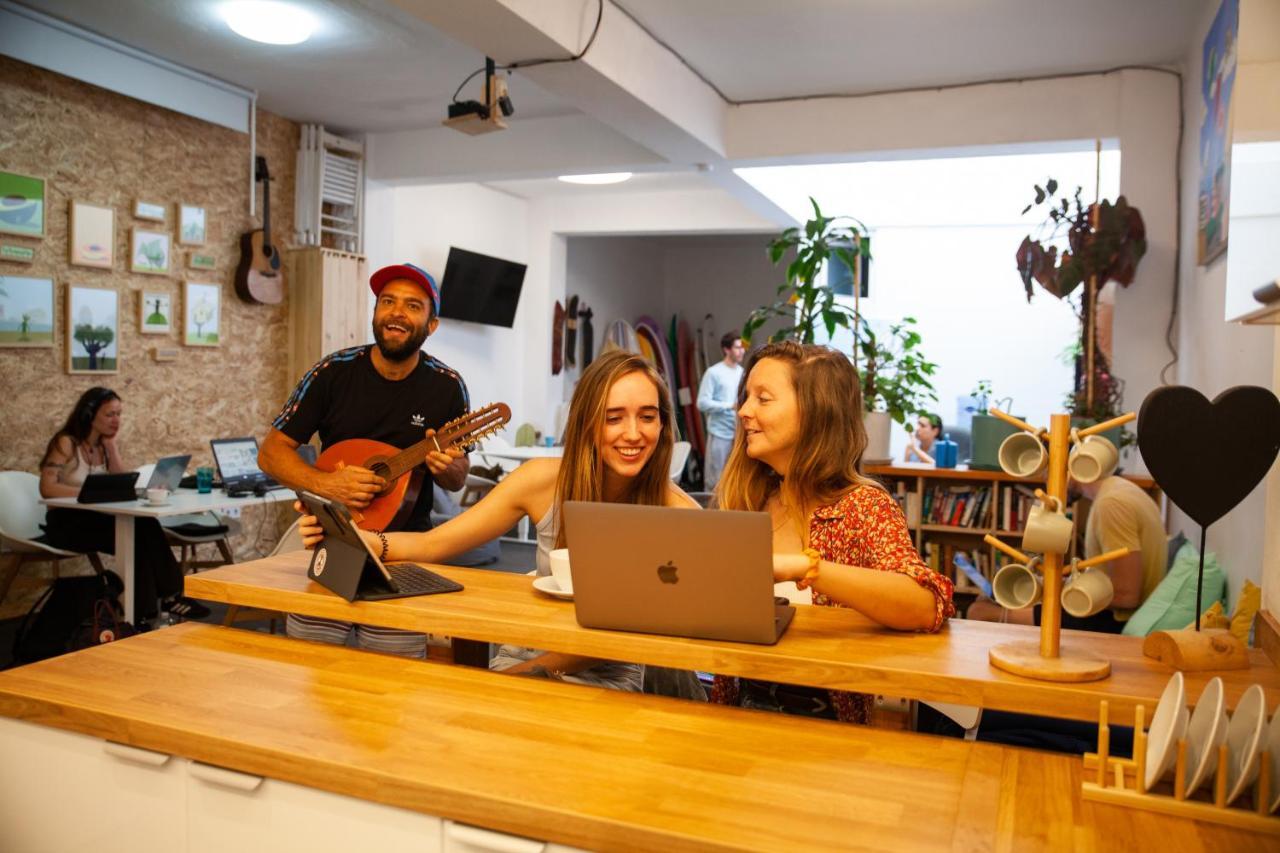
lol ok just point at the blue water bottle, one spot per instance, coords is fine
(944, 452)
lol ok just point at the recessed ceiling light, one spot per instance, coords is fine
(268, 21)
(602, 178)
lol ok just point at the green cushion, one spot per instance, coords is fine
(1172, 605)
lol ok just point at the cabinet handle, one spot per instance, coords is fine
(134, 755)
(487, 839)
(225, 778)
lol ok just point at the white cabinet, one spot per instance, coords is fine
(229, 810)
(62, 792)
(464, 838)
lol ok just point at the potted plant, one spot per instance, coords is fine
(987, 431)
(1104, 242)
(894, 375)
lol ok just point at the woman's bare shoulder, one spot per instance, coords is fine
(679, 498)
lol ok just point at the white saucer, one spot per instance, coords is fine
(1205, 733)
(547, 584)
(156, 505)
(1244, 737)
(1273, 746)
(1168, 724)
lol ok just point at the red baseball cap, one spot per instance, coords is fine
(408, 272)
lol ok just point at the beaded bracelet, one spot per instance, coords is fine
(815, 560)
(382, 537)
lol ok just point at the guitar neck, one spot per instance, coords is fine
(468, 428)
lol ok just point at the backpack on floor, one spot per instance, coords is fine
(66, 614)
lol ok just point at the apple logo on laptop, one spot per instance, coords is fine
(322, 557)
(667, 573)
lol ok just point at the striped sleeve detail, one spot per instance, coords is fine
(295, 399)
(440, 367)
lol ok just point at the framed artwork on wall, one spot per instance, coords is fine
(92, 235)
(1217, 81)
(22, 203)
(149, 252)
(26, 311)
(155, 312)
(191, 225)
(201, 314)
(93, 329)
(200, 261)
(148, 210)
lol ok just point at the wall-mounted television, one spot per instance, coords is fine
(480, 288)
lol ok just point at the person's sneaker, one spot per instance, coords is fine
(185, 608)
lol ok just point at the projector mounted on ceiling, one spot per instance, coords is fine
(474, 117)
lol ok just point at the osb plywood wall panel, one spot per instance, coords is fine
(107, 149)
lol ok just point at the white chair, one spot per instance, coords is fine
(679, 456)
(21, 515)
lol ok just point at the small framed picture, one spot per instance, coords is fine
(148, 210)
(22, 204)
(198, 261)
(92, 238)
(93, 329)
(26, 311)
(155, 312)
(149, 252)
(191, 225)
(201, 314)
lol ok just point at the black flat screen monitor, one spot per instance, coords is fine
(480, 288)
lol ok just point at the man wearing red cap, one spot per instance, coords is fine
(389, 391)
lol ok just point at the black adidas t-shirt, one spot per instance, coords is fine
(344, 397)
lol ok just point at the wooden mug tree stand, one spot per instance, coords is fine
(1050, 660)
(1122, 782)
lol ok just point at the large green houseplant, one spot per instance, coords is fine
(893, 372)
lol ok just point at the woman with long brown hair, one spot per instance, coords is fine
(617, 448)
(800, 438)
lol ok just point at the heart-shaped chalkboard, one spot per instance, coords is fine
(1208, 456)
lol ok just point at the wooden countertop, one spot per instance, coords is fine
(567, 763)
(825, 646)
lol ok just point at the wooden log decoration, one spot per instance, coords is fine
(1189, 650)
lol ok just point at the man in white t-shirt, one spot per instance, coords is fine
(718, 400)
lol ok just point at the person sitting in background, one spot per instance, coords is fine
(617, 448)
(88, 444)
(800, 437)
(717, 399)
(928, 428)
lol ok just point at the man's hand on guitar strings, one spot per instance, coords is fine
(353, 486)
(439, 460)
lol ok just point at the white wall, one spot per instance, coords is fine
(1216, 355)
(726, 278)
(619, 277)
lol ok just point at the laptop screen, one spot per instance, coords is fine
(236, 457)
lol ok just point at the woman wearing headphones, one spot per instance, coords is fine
(87, 444)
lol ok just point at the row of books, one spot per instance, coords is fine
(1015, 504)
(940, 556)
(956, 506)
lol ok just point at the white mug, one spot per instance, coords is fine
(560, 569)
(1017, 586)
(157, 497)
(1087, 592)
(1048, 531)
(1023, 454)
(1092, 458)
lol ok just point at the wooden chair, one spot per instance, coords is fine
(21, 515)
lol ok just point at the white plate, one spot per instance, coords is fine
(1168, 723)
(548, 585)
(1273, 746)
(157, 505)
(1244, 737)
(1205, 733)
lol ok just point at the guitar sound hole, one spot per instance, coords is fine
(383, 470)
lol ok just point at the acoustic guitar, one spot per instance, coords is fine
(403, 469)
(259, 277)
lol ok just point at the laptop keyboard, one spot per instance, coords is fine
(420, 581)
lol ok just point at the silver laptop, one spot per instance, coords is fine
(167, 474)
(679, 572)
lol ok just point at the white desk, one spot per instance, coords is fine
(524, 454)
(181, 502)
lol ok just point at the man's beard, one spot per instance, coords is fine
(399, 352)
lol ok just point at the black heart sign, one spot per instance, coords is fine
(1208, 456)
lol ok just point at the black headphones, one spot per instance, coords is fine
(96, 397)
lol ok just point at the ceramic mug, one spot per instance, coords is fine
(1048, 531)
(1017, 586)
(1023, 454)
(560, 569)
(157, 497)
(1092, 458)
(1087, 592)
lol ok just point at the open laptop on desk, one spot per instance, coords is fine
(237, 461)
(167, 474)
(678, 572)
(345, 565)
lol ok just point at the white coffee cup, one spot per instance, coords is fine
(1092, 458)
(1017, 586)
(1048, 531)
(157, 497)
(1023, 454)
(1087, 592)
(560, 569)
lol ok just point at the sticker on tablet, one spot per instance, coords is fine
(322, 556)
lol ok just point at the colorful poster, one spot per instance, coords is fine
(1217, 80)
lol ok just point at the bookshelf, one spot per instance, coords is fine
(951, 509)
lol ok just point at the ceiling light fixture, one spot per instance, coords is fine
(602, 178)
(268, 21)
